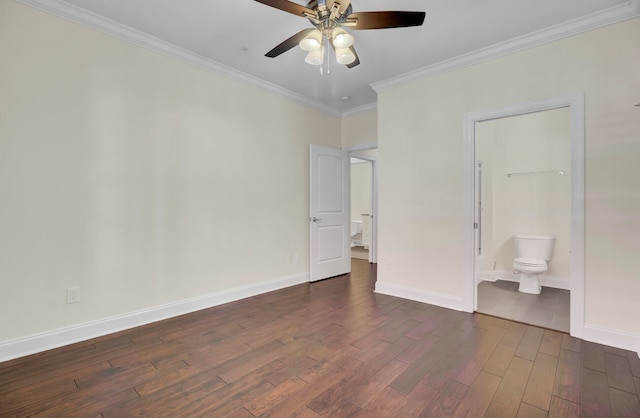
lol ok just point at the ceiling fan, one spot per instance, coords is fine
(329, 18)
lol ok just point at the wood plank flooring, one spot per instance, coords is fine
(332, 348)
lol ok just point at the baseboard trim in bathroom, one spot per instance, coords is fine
(360, 253)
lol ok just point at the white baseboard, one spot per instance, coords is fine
(611, 337)
(64, 336)
(546, 281)
(486, 276)
(432, 298)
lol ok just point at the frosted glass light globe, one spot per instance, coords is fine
(312, 42)
(342, 38)
(315, 57)
(345, 56)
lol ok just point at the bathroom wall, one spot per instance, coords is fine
(528, 202)
(360, 189)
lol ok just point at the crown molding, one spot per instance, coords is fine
(75, 14)
(628, 10)
(110, 27)
(360, 109)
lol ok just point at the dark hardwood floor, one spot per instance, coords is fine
(332, 348)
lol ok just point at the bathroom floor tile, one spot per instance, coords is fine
(549, 309)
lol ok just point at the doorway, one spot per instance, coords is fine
(475, 264)
(360, 208)
(329, 211)
(523, 188)
(363, 205)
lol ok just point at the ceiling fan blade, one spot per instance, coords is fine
(289, 43)
(289, 7)
(356, 61)
(384, 20)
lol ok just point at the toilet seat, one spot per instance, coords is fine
(530, 262)
(530, 266)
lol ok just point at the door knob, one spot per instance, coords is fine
(314, 219)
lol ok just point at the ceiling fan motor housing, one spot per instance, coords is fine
(327, 18)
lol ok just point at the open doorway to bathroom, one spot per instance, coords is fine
(523, 187)
(363, 227)
(473, 259)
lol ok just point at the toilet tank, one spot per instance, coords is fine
(539, 247)
(356, 227)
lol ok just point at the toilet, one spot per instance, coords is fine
(356, 233)
(532, 254)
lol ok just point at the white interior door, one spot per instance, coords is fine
(329, 213)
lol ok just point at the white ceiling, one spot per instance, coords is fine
(237, 34)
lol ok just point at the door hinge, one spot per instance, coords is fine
(475, 225)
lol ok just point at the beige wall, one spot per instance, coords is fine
(420, 142)
(360, 129)
(140, 179)
(532, 201)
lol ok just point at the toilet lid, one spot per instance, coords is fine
(530, 261)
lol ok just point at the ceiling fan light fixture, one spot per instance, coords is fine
(330, 20)
(341, 38)
(312, 42)
(345, 56)
(315, 57)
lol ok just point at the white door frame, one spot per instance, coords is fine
(576, 105)
(373, 195)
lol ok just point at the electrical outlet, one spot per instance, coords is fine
(73, 294)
